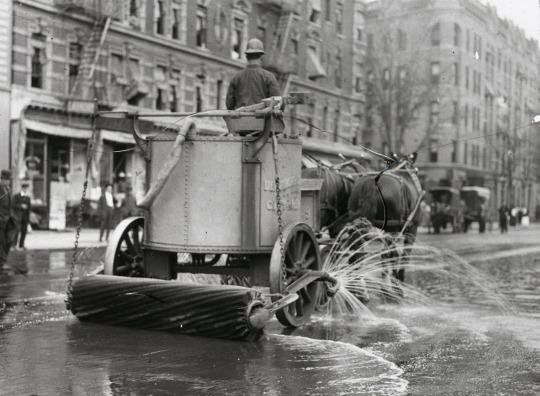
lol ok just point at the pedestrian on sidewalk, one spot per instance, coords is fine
(21, 211)
(106, 206)
(503, 218)
(7, 223)
(129, 205)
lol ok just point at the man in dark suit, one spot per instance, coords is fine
(21, 210)
(6, 221)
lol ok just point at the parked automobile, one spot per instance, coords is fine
(445, 209)
(476, 206)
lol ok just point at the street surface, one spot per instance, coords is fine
(457, 343)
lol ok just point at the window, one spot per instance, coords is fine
(315, 14)
(359, 34)
(465, 153)
(456, 74)
(133, 8)
(38, 60)
(325, 118)
(160, 73)
(435, 72)
(370, 41)
(455, 110)
(434, 113)
(339, 18)
(457, 35)
(466, 116)
(294, 45)
(134, 69)
(328, 9)
(75, 52)
(160, 100)
(237, 38)
(433, 155)
(201, 26)
(436, 34)
(159, 17)
(336, 125)
(219, 93)
(466, 77)
(386, 79)
(468, 40)
(338, 73)
(198, 100)
(117, 67)
(454, 151)
(358, 84)
(176, 23)
(402, 74)
(402, 40)
(173, 98)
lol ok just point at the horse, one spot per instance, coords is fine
(390, 201)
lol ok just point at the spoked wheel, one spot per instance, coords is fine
(300, 252)
(124, 255)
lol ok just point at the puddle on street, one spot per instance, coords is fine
(456, 345)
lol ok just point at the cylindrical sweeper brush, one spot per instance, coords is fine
(231, 312)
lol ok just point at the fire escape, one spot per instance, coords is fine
(85, 86)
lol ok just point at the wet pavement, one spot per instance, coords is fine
(461, 342)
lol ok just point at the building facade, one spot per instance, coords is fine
(476, 87)
(162, 55)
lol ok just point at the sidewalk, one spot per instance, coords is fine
(62, 240)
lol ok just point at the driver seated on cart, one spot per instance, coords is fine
(253, 84)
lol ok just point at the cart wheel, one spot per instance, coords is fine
(124, 255)
(301, 252)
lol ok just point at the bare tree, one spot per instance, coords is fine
(401, 81)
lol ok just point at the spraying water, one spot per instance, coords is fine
(364, 258)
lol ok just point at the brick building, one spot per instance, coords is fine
(479, 85)
(163, 55)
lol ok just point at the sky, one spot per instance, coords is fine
(524, 13)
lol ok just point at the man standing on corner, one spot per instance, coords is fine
(21, 210)
(7, 226)
(252, 84)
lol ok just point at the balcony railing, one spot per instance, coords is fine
(93, 8)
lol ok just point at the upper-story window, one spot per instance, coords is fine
(237, 38)
(176, 23)
(201, 26)
(315, 11)
(133, 8)
(339, 18)
(436, 34)
(457, 35)
(159, 17)
(38, 60)
(74, 56)
(328, 10)
(160, 73)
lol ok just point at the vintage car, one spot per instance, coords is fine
(476, 205)
(445, 209)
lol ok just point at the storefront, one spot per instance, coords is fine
(50, 150)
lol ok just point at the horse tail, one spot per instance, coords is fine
(364, 198)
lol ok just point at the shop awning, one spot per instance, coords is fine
(117, 137)
(57, 129)
(314, 67)
(76, 133)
